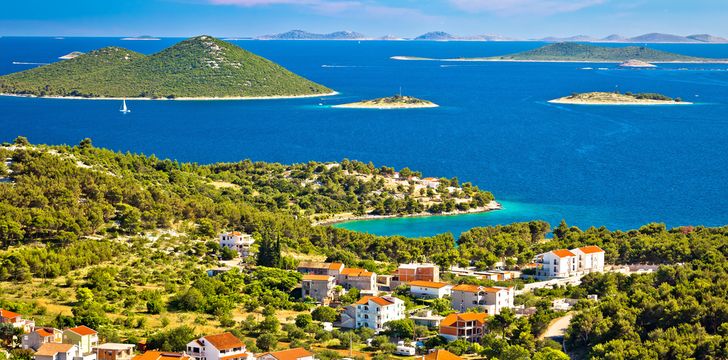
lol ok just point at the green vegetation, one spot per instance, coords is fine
(591, 53)
(617, 98)
(198, 67)
(396, 101)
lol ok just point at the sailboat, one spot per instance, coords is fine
(124, 109)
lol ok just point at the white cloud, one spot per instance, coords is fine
(514, 7)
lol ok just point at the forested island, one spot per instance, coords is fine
(201, 67)
(574, 52)
(392, 102)
(616, 98)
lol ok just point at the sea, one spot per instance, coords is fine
(613, 166)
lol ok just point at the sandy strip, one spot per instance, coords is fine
(177, 98)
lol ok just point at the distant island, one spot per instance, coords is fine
(616, 98)
(392, 102)
(573, 52)
(636, 64)
(651, 38)
(140, 38)
(304, 35)
(202, 67)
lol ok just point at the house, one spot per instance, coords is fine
(441, 354)
(373, 312)
(40, 336)
(85, 338)
(467, 326)
(291, 354)
(490, 299)
(114, 351)
(9, 317)
(54, 351)
(589, 259)
(237, 241)
(320, 268)
(318, 287)
(358, 278)
(225, 346)
(159, 355)
(429, 289)
(427, 318)
(415, 272)
(431, 182)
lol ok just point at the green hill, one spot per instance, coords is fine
(581, 52)
(198, 67)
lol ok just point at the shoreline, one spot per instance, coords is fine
(374, 107)
(492, 206)
(175, 99)
(619, 103)
(415, 58)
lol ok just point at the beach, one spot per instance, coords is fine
(176, 98)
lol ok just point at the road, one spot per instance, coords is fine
(557, 328)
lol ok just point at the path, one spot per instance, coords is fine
(557, 328)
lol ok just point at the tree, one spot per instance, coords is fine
(267, 342)
(172, 340)
(8, 332)
(402, 329)
(269, 252)
(515, 352)
(324, 314)
(550, 354)
(85, 144)
(21, 141)
(303, 320)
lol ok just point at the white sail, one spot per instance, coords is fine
(124, 109)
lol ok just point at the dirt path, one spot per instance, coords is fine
(557, 327)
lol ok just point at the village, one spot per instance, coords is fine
(379, 301)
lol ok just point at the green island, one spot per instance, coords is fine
(574, 52)
(617, 98)
(392, 102)
(201, 67)
(122, 243)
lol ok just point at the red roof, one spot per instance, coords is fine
(562, 253)
(317, 277)
(158, 355)
(44, 333)
(224, 341)
(8, 314)
(376, 299)
(475, 288)
(591, 249)
(292, 354)
(51, 349)
(355, 272)
(335, 266)
(83, 330)
(441, 354)
(453, 318)
(428, 284)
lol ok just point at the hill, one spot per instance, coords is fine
(436, 35)
(200, 67)
(707, 38)
(304, 35)
(392, 102)
(591, 53)
(615, 98)
(661, 38)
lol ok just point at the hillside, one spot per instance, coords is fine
(591, 53)
(199, 67)
(615, 98)
(391, 102)
(436, 35)
(304, 35)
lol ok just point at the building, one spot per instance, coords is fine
(429, 289)
(373, 312)
(320, 268)
(225, 346)
(427, 318)
(415, 272)
(237, 241)
(431, 182)
(490, 299)
(318, 287)
(40, 336)
(466, 326)
(54, 351)
(358, 278)
(113, 351)
(291, 354)
(159, 355)
(9, 317)
(85, 338)
(441, 354)
(565, 263)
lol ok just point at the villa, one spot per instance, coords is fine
(431, 182)
(373, 312)
(291, 354)
(40, 336)
(114, 351)
(53, 351)
(159, 355)
(9, 317)
(563, 263)
(361, 279)
(318, 287)
(237, 241)
(429, 289)
(320, 268)
(85, 338)
(490, 299)
(466, 326)
(415, 272)
(225, 346)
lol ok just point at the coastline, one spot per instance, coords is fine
(415, 58)
(375, 107)
(177, 98)
(492, 206)
(620, 103)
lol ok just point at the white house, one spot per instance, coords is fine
(490, 299)
(564, 263)
(225, 346)
(54, 351)
(85, 338)
(9, 317)
(589, 259)
(431, 182)
(237, 241)
(40, 336)
(373, 312)
(429, 289)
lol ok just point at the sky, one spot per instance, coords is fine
(523, 19)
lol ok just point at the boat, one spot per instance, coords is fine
(124, 109)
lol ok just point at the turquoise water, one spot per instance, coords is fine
(619, 167)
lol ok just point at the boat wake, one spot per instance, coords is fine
(28, 63)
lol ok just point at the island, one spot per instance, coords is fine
(583, 53)
(71, 55)
(636, 64)
(199, 68)
(305, 35)
(392, 102)
(616, 98)
(140, 38)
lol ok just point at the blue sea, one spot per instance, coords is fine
(613, 166)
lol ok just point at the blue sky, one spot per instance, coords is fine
(517, 18)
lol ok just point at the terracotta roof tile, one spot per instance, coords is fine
(562, 253)
(317, 277)
(292, 354)
(44, 333)
(51, 349)
(8, 314)
(376, 299)
(158, 355)
(591, 249)
(83, 330)
(335, 266)
(453, 318)
(428, 284)
(224, 341)
(441, 354)
(356, 272)
(475, 288)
